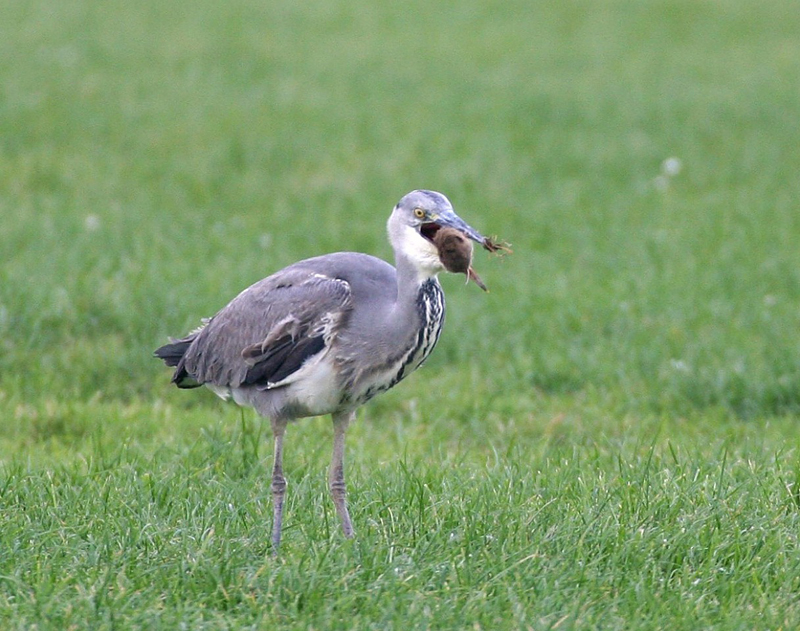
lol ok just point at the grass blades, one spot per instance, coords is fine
(610, 537)
(606, 440)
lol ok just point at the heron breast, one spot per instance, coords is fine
(431, 311)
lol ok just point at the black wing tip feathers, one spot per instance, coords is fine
(281, 360)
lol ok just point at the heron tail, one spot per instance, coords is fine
(173, 352)
(172, 355)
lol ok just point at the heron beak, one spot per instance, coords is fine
(448, 219)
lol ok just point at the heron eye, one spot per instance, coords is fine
(419, 213)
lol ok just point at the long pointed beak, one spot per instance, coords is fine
(449, 219)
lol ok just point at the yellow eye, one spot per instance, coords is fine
(419, 213)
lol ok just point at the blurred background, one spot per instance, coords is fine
(641, 157)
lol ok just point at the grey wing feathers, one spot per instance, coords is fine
(265, 334)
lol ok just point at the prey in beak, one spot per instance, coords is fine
(455, 253)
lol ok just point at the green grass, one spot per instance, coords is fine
(606, 440)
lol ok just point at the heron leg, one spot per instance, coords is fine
(278, 483)
(336, 477)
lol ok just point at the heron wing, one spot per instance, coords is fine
(265, 334)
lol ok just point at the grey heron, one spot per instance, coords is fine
(326, 334)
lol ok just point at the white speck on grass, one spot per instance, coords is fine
(403, 566)
(91, 223)
(671, 167)
(679, 365)
(265, 241)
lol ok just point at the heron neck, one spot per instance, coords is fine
(410, 278)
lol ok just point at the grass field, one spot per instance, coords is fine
(609, 439)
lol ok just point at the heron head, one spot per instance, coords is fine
(416, 219)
